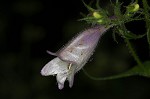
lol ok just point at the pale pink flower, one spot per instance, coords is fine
(73, 56)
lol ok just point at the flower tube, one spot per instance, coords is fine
(73, 56)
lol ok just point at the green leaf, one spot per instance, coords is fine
(136, 70)
(148, 36)
(130, 35)
(87, 18)
(82, 14)
(97, 4)
(145, 71)
(88, 7)
(114, 36)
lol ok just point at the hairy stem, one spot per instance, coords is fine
(147, 18)
(136, 58)
(125, 74)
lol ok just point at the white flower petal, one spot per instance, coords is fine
(61, 77)
(71, 79)
(55, 66)
(71, 73)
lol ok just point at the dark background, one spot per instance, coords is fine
(30, 27)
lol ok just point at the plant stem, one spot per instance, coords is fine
(147, 19)
(136, 58)
(117, 76)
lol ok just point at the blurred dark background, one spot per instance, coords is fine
(30, 27)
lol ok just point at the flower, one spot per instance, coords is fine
(72, 57)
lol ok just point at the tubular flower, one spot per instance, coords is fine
(72, 57)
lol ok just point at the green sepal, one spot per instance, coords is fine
(88, 7)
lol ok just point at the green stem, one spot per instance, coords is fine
(147, 18)
(136, 58)
(117, 76)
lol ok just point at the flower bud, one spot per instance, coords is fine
(97, 15)
(133, 8)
